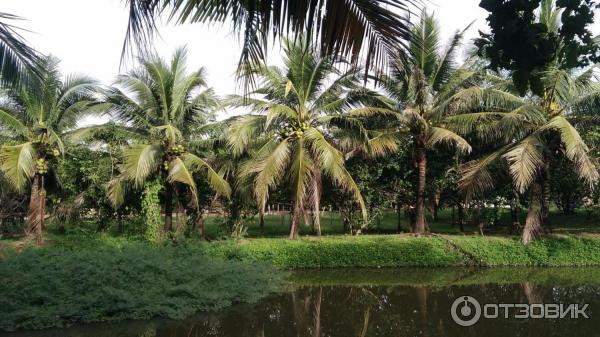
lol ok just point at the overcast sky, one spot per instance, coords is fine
(87, 35)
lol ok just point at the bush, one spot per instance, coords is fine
(116, 280)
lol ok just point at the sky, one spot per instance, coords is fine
(87, 35)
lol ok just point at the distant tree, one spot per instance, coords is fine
(161, 105)
(37, 115)
(303, 108)
(419, 93)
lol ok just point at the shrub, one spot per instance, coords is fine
(116, 280)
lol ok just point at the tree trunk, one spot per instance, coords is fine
(546, 194)
(168, 207)
(317, 202)
(515, 212)
(201, 225)
(420, 222)
(399, 218)
(37, 209)
(533, 225)
(298, 207)
(261, 222)
(461, 216)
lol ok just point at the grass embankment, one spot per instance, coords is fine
(95, 281)
(91, 279)
(409, 251)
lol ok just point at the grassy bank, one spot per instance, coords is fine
(409, 251)
(340, 251)
(100, 280)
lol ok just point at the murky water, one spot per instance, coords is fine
(401, 302)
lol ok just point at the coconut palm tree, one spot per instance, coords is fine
(17, 59)
(533, 130)
(294, 139)
(37, 115)
(418, 94)
(351, 27)
(164, 108)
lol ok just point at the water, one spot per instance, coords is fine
(400, 302)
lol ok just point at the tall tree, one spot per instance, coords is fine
(162, 105)
(352, 27)
(38, 114)
(305, 107)
(539, 126)
(533, 131)
(419, 94)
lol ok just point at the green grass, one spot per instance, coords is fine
(277, 225)
(83, 281)
(341, 251)
(558, 250)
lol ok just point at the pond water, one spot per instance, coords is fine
(385, 302)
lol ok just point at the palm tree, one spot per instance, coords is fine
(164, 107)
(350, 27)
(37, 115)
(295, 138)
(534, 130)
(417, 94)
(17, 59)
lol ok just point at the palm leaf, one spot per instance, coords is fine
(140, 161)
(17, 163)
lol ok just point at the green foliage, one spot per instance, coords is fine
(83, 281)
(550, 251)
(335, 252)
(526, 45)
(151, 211)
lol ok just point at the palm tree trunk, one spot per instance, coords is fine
(261, 221)
(168, 207)
(201, 225)
(546, 193)
(398, 217)
(533, 226)
(317, 201)
(37, 209)
(420, 223)
(298, 207)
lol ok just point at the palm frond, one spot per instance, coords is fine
(524, 161)
(440, 135)
(140, 161)
(216, 180)
(17, 163)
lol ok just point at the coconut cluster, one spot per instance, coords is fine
(293, 132)
(41, 166)
(177, 150)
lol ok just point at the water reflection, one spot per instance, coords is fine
(394, 303)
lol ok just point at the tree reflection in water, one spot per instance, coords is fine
(396, 303)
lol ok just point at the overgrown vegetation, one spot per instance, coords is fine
(103, 280)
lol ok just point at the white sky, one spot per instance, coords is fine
(87, 35)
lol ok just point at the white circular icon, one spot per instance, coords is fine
(469, 312)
